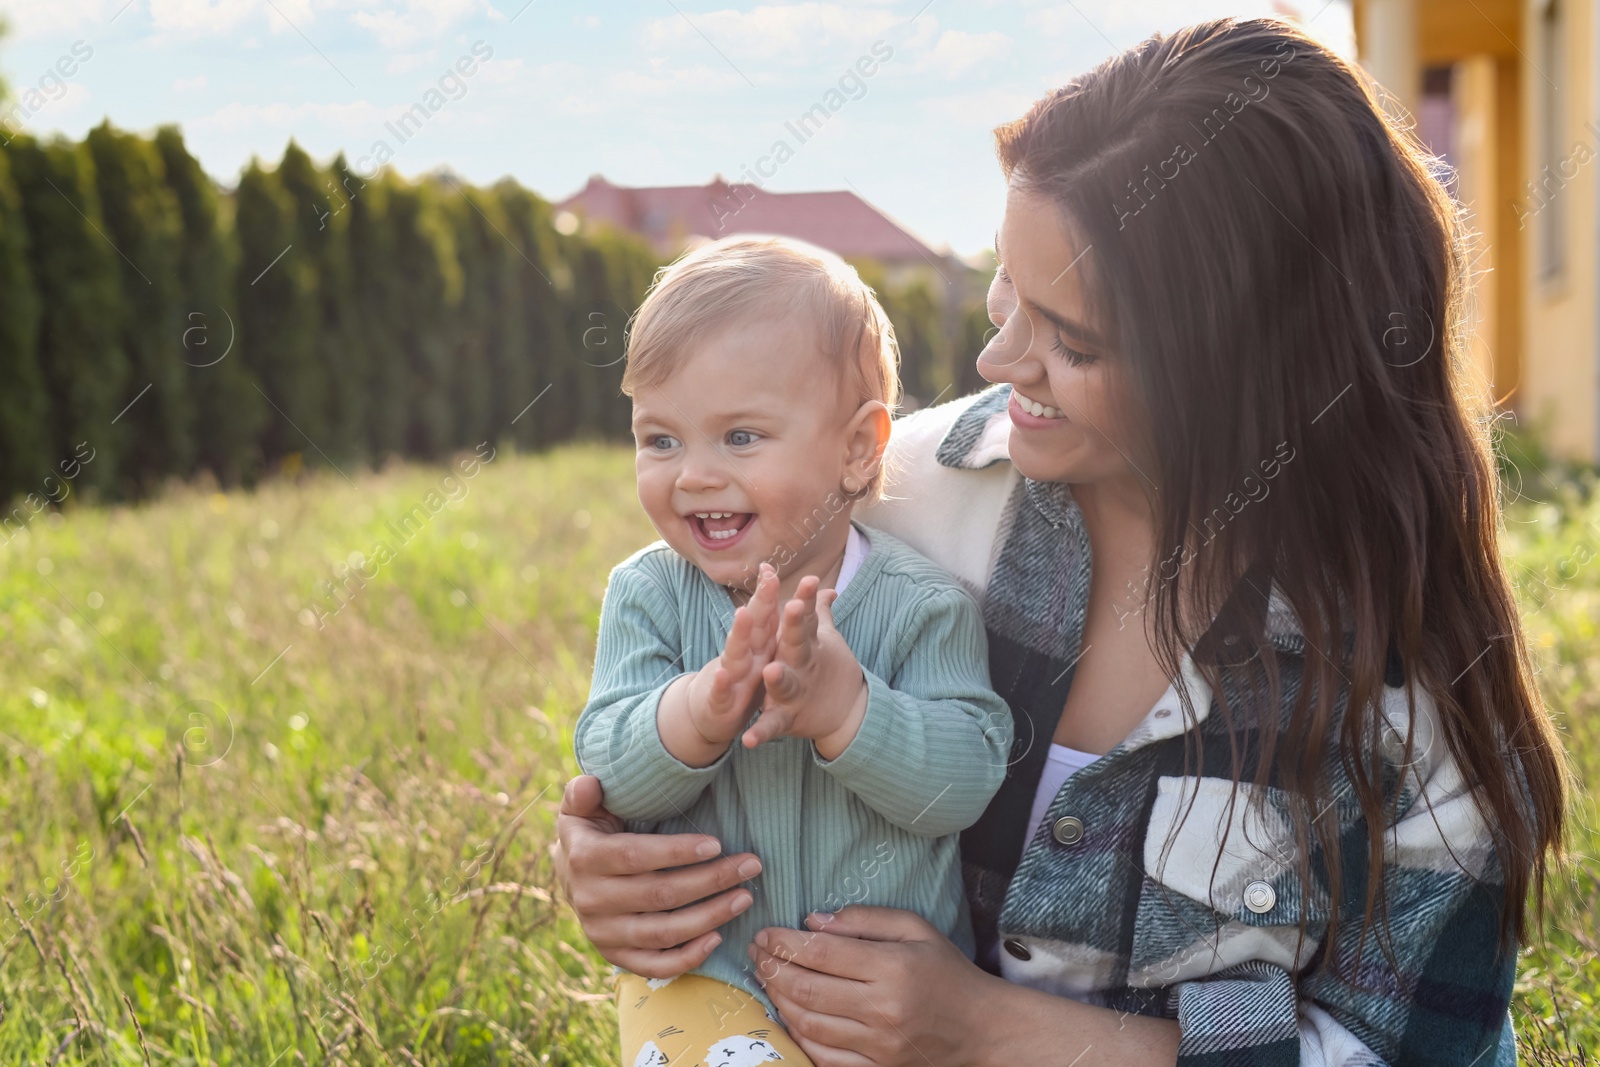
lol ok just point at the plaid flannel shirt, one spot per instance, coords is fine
(1144, 889)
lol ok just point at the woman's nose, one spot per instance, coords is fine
(1005, 356)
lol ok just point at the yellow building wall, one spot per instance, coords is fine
(1560, 392)
(1536, 340)
(1481, 141)
(1488, 94)
(1510, 347)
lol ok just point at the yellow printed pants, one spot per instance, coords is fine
(694, 1021)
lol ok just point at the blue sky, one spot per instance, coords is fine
(653, 92)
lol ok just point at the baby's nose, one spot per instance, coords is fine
(701, 472)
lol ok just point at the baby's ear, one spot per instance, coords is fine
(867, 437)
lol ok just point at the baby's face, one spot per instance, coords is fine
(741, 452)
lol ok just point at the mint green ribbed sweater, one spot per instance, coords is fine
(877, 825)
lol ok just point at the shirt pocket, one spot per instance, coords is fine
(1221, 883)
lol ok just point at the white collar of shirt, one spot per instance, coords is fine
(855, 550)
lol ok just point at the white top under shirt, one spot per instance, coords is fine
(1060, 764)
(855, 550)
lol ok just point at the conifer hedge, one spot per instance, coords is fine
(310, 316)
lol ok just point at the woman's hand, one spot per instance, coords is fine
(879, 986)
(650, 903)
(875, 986)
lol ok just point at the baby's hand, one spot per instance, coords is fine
(815, 687)
(725, 691)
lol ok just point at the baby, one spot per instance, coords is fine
(770, 672)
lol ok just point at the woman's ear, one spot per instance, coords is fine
(866, 437)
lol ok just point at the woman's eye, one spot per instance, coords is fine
(740, 438)
(1072, 355)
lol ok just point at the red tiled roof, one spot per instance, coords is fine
(669, 216)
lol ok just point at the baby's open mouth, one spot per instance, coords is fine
(716, 529)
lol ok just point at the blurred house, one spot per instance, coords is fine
(1508, 91)
(674, 217)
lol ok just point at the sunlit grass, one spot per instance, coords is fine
(281, 824)
(333, 830)
(1554, 547)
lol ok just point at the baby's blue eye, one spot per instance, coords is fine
(661, 442)
(739, 438)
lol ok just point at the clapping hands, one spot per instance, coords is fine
(815, 687)
(728, 690)
(792, 665)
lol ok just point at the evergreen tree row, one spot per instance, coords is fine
(154, 325)
(165, 326)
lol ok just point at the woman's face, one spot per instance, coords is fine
(1070, 390)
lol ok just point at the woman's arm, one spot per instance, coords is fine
(881, 986)
(650, 903)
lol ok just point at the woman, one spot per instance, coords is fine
(1282, 788)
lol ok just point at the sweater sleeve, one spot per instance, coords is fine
(638, 654)
(932, 747)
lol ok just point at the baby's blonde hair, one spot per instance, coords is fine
(745, 277)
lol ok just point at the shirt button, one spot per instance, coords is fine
(1162, 713)
(1018, 949)
(1394, 746)
(1068, 830)
(1260, 897)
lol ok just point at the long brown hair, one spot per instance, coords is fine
(1281, 268)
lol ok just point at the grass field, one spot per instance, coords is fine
(250, 819)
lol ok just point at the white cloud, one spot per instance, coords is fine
(391, 28)
(190, 85)
(37, 18)
(403, 25)
(290, 16)
(1054, 21)
(574, 104)
(982, 108)
(358, 117)
(415, 21)
(628, 84)
(404, 62)
(957, 52)
(1127, 24)
(513, 72)
(789, 34)
(198, 16)
(573, 89)
(1128, 27)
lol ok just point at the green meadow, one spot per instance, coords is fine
(281, 767)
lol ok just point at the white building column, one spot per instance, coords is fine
(1389, 38)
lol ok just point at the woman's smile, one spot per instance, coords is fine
(1030, 414)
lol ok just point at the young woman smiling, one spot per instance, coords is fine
(1300, 810)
